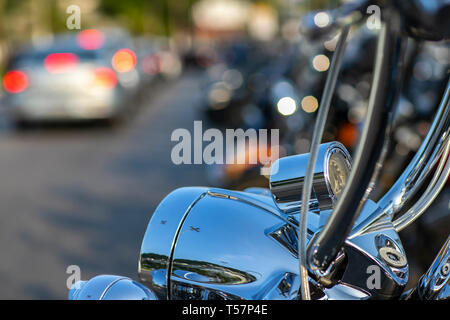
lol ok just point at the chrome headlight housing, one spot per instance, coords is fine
(330, 174)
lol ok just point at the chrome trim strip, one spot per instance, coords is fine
(174, 242)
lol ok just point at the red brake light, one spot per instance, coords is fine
(105, 77)
(152, 64)
(124, 60)
(15, 81)
(60, 62)
(90, 39)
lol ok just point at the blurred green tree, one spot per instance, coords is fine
(155, 16)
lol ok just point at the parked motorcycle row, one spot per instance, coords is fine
(247, 87)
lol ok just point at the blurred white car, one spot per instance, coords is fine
(84, 76)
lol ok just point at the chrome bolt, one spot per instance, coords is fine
(393, 257)
(445, 269)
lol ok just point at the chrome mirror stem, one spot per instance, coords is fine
(316, 139)
(370, 151)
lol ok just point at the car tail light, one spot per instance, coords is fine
(124, 60)
(152, 64)
(15, 81)
(105, 77)
(61, 62)
(90, 39)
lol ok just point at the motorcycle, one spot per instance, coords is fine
(314, 234)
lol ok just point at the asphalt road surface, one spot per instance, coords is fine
(83, 196)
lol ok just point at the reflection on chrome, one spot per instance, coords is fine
(440, 178)
(435, 283)
(203, 271)
(423, 163)
(207, 243)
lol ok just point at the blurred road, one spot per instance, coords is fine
(83, 196)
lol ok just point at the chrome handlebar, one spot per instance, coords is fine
(439, 179)
(435, 145)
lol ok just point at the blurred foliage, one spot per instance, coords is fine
(139, 16)
(307, 5)
(156, 16)
(22, 20)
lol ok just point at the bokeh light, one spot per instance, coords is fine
(310, 104)
(321, 63)
(105, 77)
(151, 64)
(90, 39)
(124, 60)
(287, 106)
(15, 81)
(61, 62)
(322, 19)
